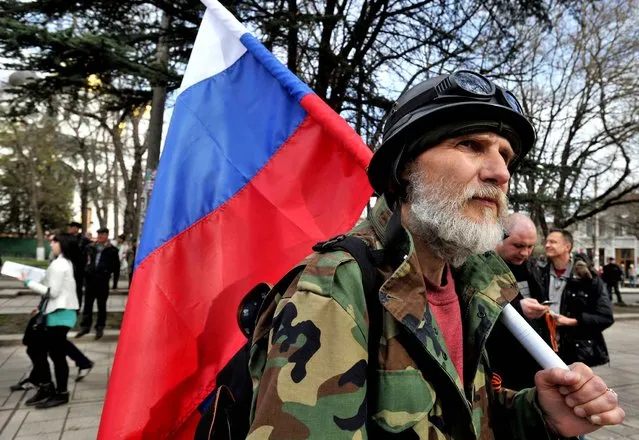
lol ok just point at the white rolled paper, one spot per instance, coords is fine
(530, 339)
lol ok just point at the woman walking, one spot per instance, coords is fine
(59, 310)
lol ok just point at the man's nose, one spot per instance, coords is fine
(495, 170)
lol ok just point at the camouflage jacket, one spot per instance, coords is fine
(310, 373)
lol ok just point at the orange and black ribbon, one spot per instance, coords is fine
(552, 327)
(496, 382)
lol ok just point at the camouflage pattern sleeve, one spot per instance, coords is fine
(521, 412)
(314, 381)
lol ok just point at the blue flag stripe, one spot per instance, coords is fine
(223, 131)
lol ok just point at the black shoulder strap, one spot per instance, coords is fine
(366, 258)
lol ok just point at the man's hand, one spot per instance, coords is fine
(576, 402)
(564, 320)
(532, 309)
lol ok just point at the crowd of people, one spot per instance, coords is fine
(563, 298)
(79, 274)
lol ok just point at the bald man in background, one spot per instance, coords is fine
(507, 356)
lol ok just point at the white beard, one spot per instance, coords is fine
(436, 217)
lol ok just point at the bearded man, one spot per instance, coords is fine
(416, 367)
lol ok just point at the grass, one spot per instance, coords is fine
(15, 324)
(28, 261)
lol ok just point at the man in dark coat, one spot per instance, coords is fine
(508, 358)
(79, 260)
(612, 275)
(581, 307)
(103, 262)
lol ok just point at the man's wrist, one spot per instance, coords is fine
(550, 429)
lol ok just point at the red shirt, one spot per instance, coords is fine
(444, 305)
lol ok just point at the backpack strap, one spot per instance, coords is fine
(366, 258)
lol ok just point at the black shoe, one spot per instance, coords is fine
(43, 394)
(98, 333)
(621, 304)
(81, 333)
(84, 371)
(56, 400)
(24, 384)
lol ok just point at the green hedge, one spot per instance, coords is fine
(20, 247)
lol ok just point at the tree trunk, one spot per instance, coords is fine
(292, 42)
(36, 213)
(116, 200)
(99, 214)
(138, 207)
(84, 195)
(540, 218)
(154, 137)
(131, 211)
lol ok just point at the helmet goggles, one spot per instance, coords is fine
(462, 85)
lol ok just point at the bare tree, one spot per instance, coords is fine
(124, 150)
(358, 55)
(582, 92)
(33, 169)
(81, 145)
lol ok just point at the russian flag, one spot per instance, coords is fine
(256, 168)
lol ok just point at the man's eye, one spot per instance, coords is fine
(469, 144)
(508, 157)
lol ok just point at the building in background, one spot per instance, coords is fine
(618, 236)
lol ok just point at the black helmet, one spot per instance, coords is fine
(443, 107)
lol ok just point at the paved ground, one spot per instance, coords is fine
(623, 376)
(79, 420)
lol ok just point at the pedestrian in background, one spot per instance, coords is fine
(79, 260)
(124, 251)
(58, 311)
(103, 263)
(612, 276)
(508, 358)
(581, 305)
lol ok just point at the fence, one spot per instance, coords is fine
(21, 247)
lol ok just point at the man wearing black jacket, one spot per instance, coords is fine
(102, 263)
(612, 276)
(581, 305)
(79, 260)
(508, 358)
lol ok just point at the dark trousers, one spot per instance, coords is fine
(38, 346)
(81, 361)
(615, 287)
(79, 286)
(97, 289)
(55, 344)
(37, 350)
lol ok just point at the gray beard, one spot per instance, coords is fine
(436, 218)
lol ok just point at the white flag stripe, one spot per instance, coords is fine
(217, 46)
